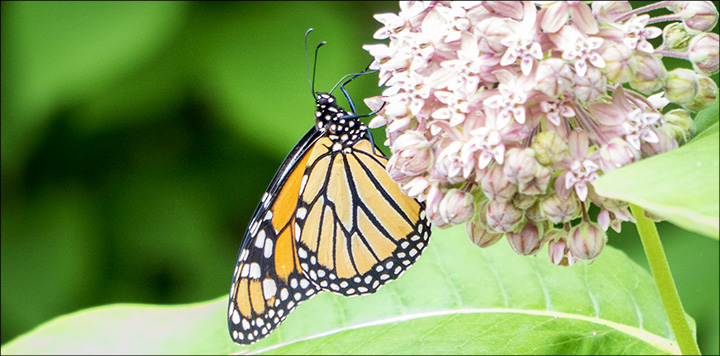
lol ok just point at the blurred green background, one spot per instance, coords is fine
(138, 137)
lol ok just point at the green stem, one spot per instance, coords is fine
(663, 279)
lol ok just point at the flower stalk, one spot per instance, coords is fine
(664, 282)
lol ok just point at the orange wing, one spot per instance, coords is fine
(358, 230)
(267, 281)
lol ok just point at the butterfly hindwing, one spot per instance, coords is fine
(358, 230)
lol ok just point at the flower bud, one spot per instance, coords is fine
(649, 74)
(520, 165)
(679, 125)
(502, 216)
(558, 249)
(449, 163)
(665, 143)
(490, 32)
(457, 206)
(586, 240)
(590, 87)
(603, 219)
(523, 201)
(707, 93)
(607, 218)
(548, 147)
(395, 173)
(478, 232)
(376, 103)
(616, 154)
(620, 63)
(417, 187)
(506, 9)
(698, 16)
(538, 184)
(408, 140)
(432, 206)
(553, 77)
(608, 203)
(535, 212)
(681, 86)
(496, 185)
(414, 162)
(611, 9)
(399, 110)
(559, 210)
(675, 37)
(527, 241)
(703, 53)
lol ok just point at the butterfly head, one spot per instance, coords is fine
(332, 118)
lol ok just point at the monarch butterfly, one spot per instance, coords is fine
(331, 220)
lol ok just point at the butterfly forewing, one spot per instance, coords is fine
(267, 281)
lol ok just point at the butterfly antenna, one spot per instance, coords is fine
(315, 64)
(307, 62)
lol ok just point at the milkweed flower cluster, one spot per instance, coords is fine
(500, 115)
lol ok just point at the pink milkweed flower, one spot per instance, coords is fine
(449, 164)
(557, 14)
(581, 167)
(557, 110)
(523, 105)
(578, 48)
(522, 42)
(512, 93)
(637, 34)
(554, 77)
(640, 126)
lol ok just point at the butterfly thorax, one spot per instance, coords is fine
(343, 128)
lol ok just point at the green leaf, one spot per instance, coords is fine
(680, 186)
(706, 120)
(457, 299)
